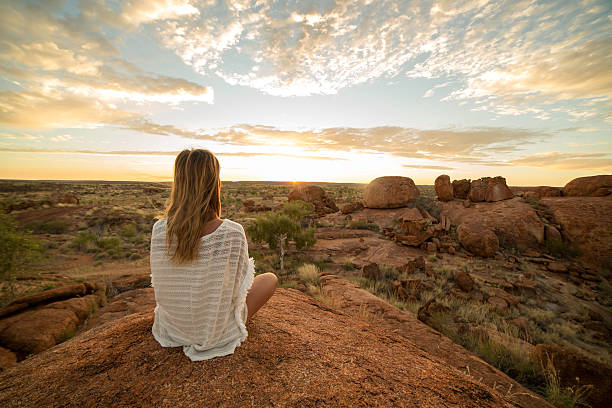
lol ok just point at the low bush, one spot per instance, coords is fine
(309, 273)
(363, 225)
(47, 227)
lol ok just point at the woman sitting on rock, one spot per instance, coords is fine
(203, 279)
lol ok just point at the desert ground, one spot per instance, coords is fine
(510, 287)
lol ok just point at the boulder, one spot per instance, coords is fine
(413, 229)
(36, 330)
(586, 225)
(323, 204)
(498, 303)
(497, 189)
(461, 188)
(299, 353)
(514, 221)
(372, 271)
(490, 189)
(390, 192)
(478, 239)
(575, 370)
(478, 191)
(593, 186)
(430, 308)
(464, 281)
(444, 188)
(47, 296)
(351, 207)
(66, 198)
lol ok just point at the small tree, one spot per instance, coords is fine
(276, 228)
(17, 249)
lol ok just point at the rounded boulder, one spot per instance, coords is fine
(390, 192)
(478, 240)
(444, 188)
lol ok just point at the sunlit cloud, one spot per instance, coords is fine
(67, 74)
(572, 161)
(427, 167)
(515, 56)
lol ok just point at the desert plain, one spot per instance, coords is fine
(462, 293)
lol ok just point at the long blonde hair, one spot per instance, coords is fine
(195, 200)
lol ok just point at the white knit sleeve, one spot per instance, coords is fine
(246, 274)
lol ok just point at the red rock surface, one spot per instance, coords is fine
(592, 186)
(298, 353)
(586, 223)
(315, 195)
(478, 239)
(36, 330)
(132, 301)
(351, 208)
(444, 188)
(349, 298)
(514, 221)
(390, 192)
(461, 188)
(490, 189)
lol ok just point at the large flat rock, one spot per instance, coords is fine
(299, 353)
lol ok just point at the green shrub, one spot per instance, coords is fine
(17, 250)
(47, 227)
(85, 242)
(363, 225)
(561, 249)
(276, 228)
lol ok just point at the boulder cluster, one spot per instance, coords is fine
(58, 198)
(323, 204)
(489, 189)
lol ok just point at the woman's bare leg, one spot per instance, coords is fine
(262, 289)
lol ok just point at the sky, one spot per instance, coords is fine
(336, 91)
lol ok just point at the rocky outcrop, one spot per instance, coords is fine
(249, 206)
(129, 302)
(464, 281)
(413, 228)
(514, 221)
(478, 239)
(323, 204)
(461, 188)
(48, 296)
(575, 370)
(351, 207)
(390, 192)
(36, 330)
(537, 192)
(593, 186)
(298, 353)
(586, 225)
(489, 189)
(444, 188)
(351, 299)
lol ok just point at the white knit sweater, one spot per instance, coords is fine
(202, 305)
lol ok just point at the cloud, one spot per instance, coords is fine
(567, 161)
(166, 153)
(516, 56)
(60, 138)
(427, 167)
(68, 72)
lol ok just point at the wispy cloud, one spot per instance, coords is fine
(427, 167)
(69, 74)
(515, 57)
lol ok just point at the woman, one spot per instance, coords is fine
(203, 279)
